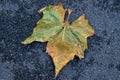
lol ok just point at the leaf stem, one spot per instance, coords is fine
(69, 12)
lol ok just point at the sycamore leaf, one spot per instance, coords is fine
(64, 40)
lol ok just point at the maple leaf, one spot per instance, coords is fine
(64, 40)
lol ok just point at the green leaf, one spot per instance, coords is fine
(49, 25)
(64, 40)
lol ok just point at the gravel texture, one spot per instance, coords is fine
(31, 62)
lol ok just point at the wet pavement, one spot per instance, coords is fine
(31, 62)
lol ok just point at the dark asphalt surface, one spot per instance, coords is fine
(31, 62)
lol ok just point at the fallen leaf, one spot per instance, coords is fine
(65, 40)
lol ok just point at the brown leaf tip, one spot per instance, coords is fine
(60, 4)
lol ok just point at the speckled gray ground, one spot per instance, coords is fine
(30, 62)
